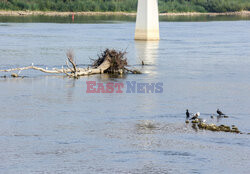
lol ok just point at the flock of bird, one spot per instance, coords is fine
(196, 115)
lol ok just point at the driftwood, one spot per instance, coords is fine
(110, 61)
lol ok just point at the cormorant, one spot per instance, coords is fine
(187, 114)
(219, 112)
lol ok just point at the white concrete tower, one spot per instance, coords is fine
(147, 20)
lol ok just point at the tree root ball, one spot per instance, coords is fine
(118, 61)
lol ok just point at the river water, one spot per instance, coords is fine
(49, 124)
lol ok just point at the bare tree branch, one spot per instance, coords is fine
(70, 56)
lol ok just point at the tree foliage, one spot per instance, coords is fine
(126, 5)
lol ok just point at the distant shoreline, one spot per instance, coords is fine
(53, 13)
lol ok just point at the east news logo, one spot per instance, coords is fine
(128, 87)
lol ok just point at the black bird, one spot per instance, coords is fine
(187, 114)
(195, 116)
(219, 112)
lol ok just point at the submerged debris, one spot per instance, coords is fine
(195, 121)
(223, 128)
(212, 127)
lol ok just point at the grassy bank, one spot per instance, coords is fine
(125, 5)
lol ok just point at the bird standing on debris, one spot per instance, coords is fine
(195, 116)
(219, 112)
(187, 114)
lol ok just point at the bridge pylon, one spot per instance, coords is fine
(147, 20)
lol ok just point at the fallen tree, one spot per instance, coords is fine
(110, 61)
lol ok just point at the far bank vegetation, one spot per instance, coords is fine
(125, 5)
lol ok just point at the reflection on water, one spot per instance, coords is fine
(203, 18)
(67, 19)
(147, 51)
(115, 18)
(111, 77)
(70, 89)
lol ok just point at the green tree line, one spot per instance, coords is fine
(126, 5)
